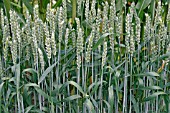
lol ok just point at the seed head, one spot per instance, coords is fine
(79, 47)
(104, 55)
(35, 53)
(41, 59)
(138, 30)
(119, 26)
(78, 23)
(93, 9)
(64, 10)
(53, 43)
(154, 47)
(2, 19)
(87, 10)
(60, 24)
(79, 2)
(36, 12)
(132, 9)
(73, 35)
(48, 13)
(132, 42)
(158, 14)
(79, 41)
(89, 47)
(113, 9)
(127, 37)
(111, 37)
(164, 36)
(47, 41)
(147, 28)
(66, 37)
(105, 18)
(5, 48)
(14, 51)
(78, 61)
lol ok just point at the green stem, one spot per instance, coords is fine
(73, 10)
(125, 86)
(130, 109)
(100, 96)
(57, 72)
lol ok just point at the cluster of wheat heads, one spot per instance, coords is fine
(103, 60)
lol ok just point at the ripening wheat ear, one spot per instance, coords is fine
(65, 10)
(28, 36)
(7, 31)
(53, 44)
(98, 23)
(79, 3)
(104, 55)
(93, 9)
(48, 13)
(163, 44)
(41, 59)
(111, 38)
(79, 47)
(6, 38)
(158, 14)
(105, 18)
(132, 8)
(127, 29)
(60, 24)
(47, 41)
(153, 43)
(41, 33)
(18, 34)
(28, 25)
(14, 51)
(119, 26)
(132, 42)
(5, 48)
(87, 10)
(13, 22)
(89, 47)
(79, 43)
(36, 19)
(163, 30)
(66, 37)
(50, 17)
(78, 23)
(73, 35)
(138, 30)
(112, 12)
(15, 34)
(52, 32)
(34, 46)
(2, 21)
(147, 28)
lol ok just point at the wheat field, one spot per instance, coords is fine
(85, 56)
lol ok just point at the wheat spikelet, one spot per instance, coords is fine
(104, 55)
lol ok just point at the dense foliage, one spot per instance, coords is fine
(93, 56)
